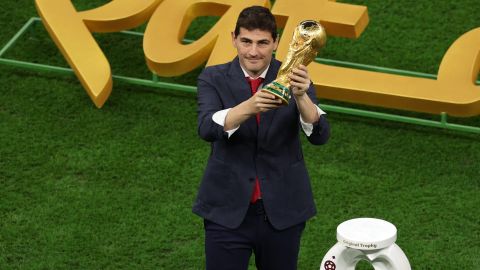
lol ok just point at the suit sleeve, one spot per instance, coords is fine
(209, 102)
(321, 129)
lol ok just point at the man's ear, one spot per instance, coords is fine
(233, 39)
(275, 43)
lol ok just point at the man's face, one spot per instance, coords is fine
(254, 49)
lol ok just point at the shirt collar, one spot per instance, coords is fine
(263, 75)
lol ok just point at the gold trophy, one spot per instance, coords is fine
(309, 36)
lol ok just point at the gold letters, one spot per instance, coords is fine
(454, 91)
(164, 51)
(70, 30)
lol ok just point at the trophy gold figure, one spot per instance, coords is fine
(309, 36)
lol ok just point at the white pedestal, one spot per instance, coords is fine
(369, 239)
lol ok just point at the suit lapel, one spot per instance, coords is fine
(240, 90)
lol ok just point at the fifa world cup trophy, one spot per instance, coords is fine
(309, 36)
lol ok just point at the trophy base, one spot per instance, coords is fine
(279, 91)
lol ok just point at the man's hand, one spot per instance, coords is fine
(299, 81)
(262, 102)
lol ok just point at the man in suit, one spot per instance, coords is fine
(255, 194)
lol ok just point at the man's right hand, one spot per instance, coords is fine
(262, 102)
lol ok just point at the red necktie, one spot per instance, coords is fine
(254, 83)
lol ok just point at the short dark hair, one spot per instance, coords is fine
(257, 17)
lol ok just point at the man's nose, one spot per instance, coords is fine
(253, 50)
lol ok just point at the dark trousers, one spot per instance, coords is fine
(230, 249)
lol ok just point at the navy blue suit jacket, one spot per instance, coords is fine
(271, 151)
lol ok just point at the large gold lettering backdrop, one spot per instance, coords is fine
(454, 91)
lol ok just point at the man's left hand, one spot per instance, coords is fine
(299, 81)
